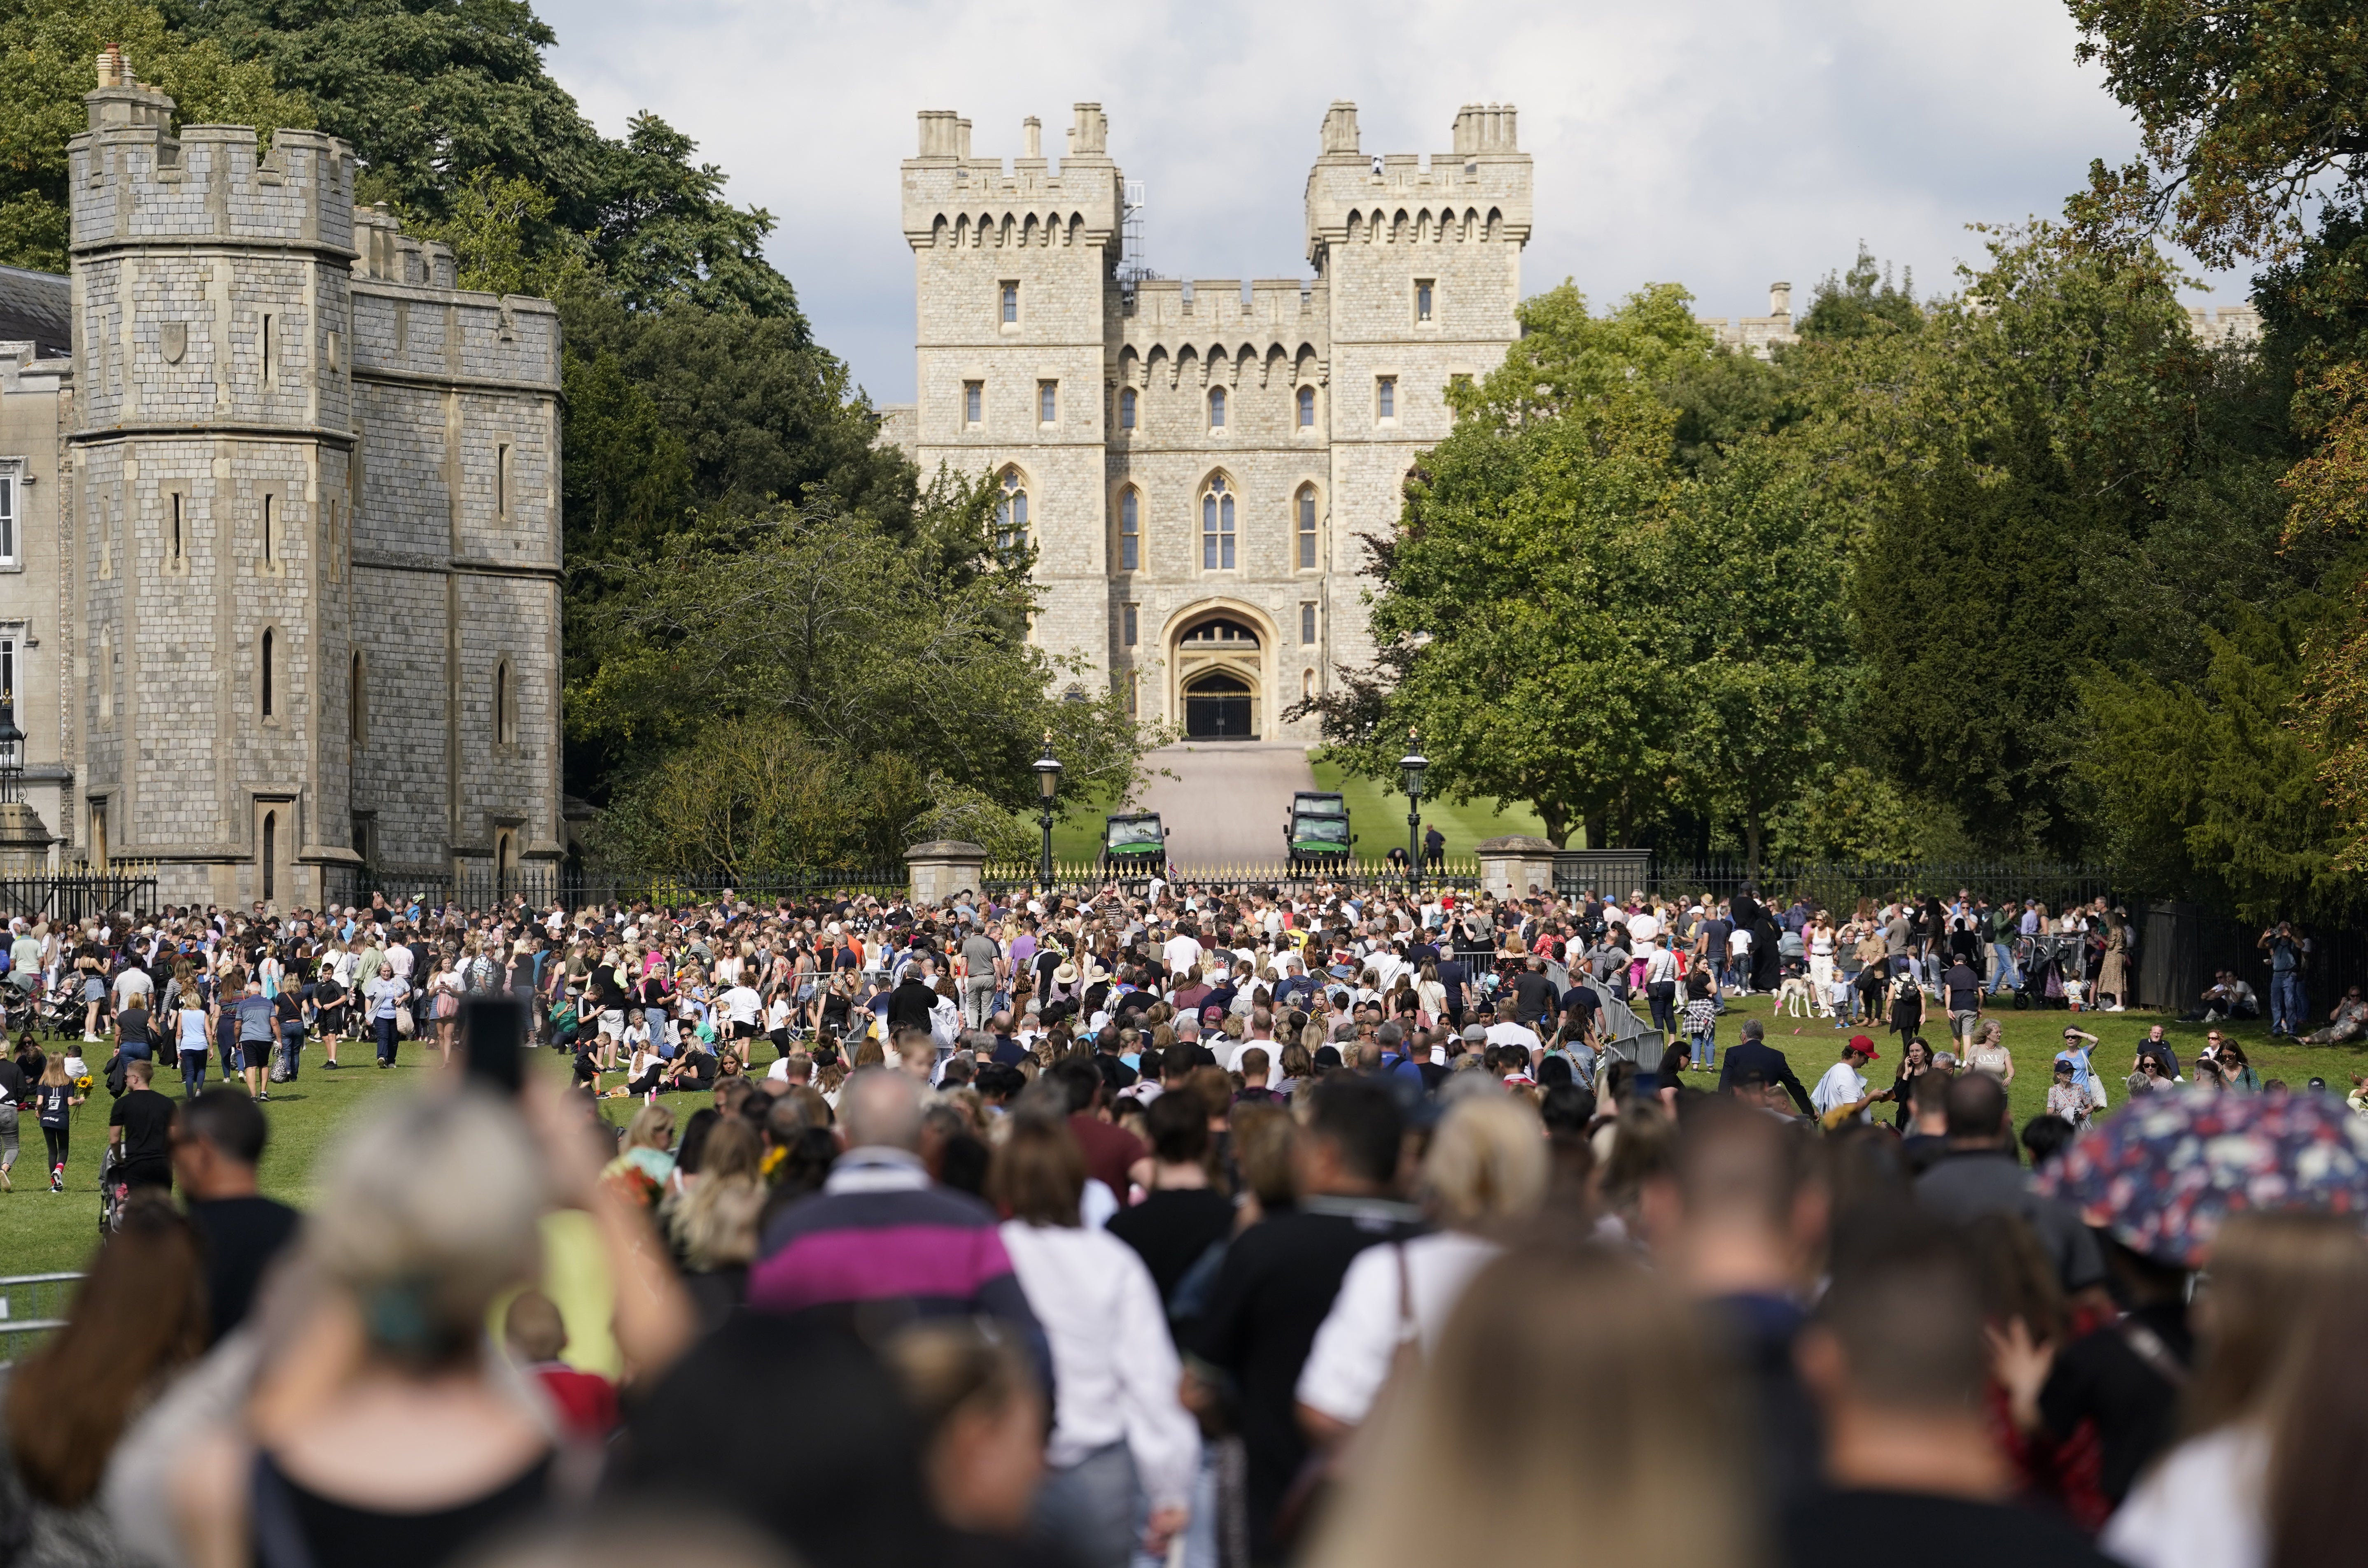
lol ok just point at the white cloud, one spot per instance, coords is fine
(1717, 144)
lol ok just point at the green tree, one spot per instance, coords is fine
(2215, 790)
(1506, 612)
(2248, 112)
(867, 644)
(49, 53)
(1748, 609)
(1862, 302)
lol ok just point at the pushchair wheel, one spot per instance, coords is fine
(2022, 1002)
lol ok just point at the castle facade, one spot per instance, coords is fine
(1193, 462)
(282, 599)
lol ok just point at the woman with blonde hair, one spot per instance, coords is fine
(377, 1417)
(1529, 1439)
(1485, 1174)
(712, 1222)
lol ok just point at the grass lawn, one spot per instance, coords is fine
(1378, 812)
(41, 1232)
(2033, 1037)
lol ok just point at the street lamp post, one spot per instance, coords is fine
(1048, 786)
(1411, 766)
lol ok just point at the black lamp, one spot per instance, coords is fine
(1048, 786)
(1410, 767)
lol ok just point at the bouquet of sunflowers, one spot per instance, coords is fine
(82, 1084)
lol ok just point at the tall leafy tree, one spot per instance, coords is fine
(2248, 111)
(49, 53)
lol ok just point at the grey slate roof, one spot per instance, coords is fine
(36, 307)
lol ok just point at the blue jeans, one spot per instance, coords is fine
(193, 1073)
(2289, 1008)
(1705, 1050)
(385, 1030)
(2009, 977)
(292, 1048)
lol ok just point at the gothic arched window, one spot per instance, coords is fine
(1217, 526)
(1011, 515)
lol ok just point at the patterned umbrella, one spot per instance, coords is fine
(2163, 1174)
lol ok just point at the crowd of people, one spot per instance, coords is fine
(1213, 1226)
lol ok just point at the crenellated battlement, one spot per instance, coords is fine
(953, 199)
(135, 183)
(1478, 193)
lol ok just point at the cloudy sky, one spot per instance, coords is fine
(1719, 144)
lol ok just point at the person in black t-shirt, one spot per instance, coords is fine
(1895, 1362)
(215, 1150)
(1280, 1277)
(140, 1128)
(1175, 1227)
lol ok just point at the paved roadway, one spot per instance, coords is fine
(1229, 798)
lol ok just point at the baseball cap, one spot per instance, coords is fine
(1864, 1047)
(1475, 1032)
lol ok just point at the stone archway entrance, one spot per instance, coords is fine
(1219, 663)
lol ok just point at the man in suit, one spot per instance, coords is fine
(1754, 1057)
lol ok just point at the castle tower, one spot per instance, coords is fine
(212, 426)
(1423, 268)
(1012, 272)
(312, 578)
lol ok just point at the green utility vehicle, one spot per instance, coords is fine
(1317, 837)
(1133, 845)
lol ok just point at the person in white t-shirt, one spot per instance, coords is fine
(1844, 1084)
(1180, 953)
(1644, 925)
(741, 1005)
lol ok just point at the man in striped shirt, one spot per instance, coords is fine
(881, 1242)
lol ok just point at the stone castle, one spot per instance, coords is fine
(1193, 462)
(279, 545)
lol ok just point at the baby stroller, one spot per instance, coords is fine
(112, 1190)
(2045, 967)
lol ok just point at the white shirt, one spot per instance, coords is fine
(1514, 1034)
(1114, 1366)
(741, 1004)
(1842, 1084)
(1644, 925)
(1235, 1050)
(1351, 1358)
(2200, 1507)
(1179, 954)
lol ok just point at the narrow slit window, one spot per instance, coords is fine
(176, 545)
(1306, 526)
(1133, 625)
(1307, 623)
(269, 377)
(270, 855)
(271, 529)
(505, 706)
(1422, 291)
(1048, 401)
(1011, 305)
(1388, 396)
(974, 401)
(1216, 408)
(1126, 409)
(1307, 408)
(357, 702)
(502, 481)
(1129, 532)
(265, 684)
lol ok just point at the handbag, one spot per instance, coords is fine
(403, 1023)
